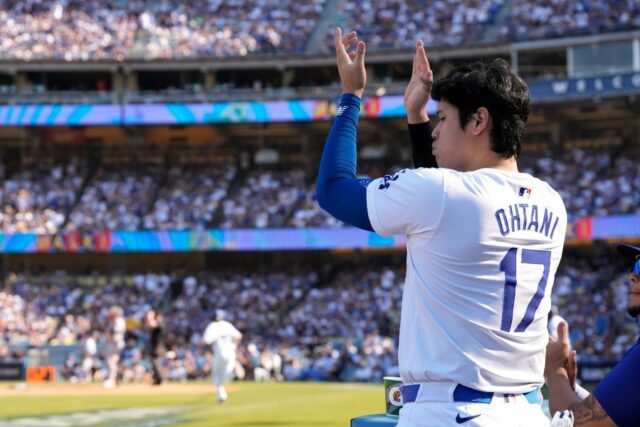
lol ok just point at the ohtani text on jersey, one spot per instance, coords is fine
(525, 216)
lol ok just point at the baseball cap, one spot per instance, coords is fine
(628, 251)
(631, 252)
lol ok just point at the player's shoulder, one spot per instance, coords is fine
(408, 178)
(424, 174)
(511, 178)
(225, 324)
(552, 192)
(211, 325)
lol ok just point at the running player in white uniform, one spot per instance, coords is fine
(117, 326)
(483, 245)
(224, 338)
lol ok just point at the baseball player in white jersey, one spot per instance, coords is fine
(117, 326)
(483, 243)
(224, 338)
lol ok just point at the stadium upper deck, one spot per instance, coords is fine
(93, 30)
(81, 52)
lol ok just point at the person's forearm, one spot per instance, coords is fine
(339, 157)
(415, 117)
(339, 191)
(561, 395)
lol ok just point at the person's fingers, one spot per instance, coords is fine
(426, 59)
(427, 82)
(423, 62)
(424, 69)
(562, 332)
(571, 360)
(572, 367)
(360, 52)
(352, 55)
(426, 78)
(414, 70)
(337, 38)
(416, 57)
(341, 52)
(420, 55)
(349, 39)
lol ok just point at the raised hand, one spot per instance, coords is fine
(418, 90)
(350, 64)
(559, 357)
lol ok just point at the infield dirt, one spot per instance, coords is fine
(68, 389)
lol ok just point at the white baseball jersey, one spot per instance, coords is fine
(115, 343)
(119, 328)
(222, 335)
(483, 248)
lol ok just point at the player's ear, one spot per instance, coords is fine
(480, 120)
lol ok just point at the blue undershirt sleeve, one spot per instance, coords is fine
(339, 191)
(615, 392)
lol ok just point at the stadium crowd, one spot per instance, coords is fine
(265, 199)
(190, 198)
(592, 297)
(74, 30)
(89, 30)
(115, 199)
(594, 182)
(549, 18)
(37, 198)
(316, 323)
(47, 200)
(393, 23)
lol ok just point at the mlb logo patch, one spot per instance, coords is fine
(524, 192)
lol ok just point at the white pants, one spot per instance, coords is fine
(434, 407)
(222, 370)
(112, 366)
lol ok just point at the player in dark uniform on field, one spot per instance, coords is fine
(156, 349)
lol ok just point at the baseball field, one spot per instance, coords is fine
(190, 404)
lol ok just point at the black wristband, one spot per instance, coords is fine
(421, 140)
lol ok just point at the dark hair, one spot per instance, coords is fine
(495, 87)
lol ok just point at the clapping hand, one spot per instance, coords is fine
(350, 64)
(560, 359)
(418, 90)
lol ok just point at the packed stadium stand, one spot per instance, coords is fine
(340, 323)
(90, 30)
(123, 123)
(592, 181)
(80, 30)
(548, 19)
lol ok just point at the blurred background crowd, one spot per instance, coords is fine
(93, 30)
(66, 197)
(305, 323)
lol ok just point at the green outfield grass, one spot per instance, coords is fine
(250, 404)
